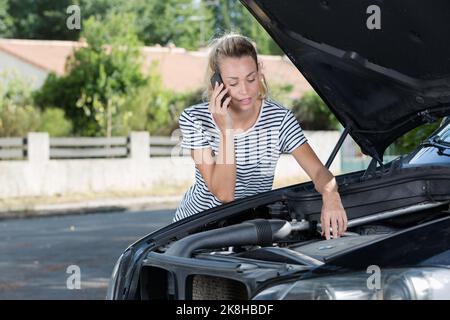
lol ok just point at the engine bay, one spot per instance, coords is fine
(236, 252)
(239, 271)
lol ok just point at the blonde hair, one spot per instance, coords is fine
(231, 45)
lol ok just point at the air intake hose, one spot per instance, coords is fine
(253, 232)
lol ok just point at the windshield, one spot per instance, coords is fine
(444, 135)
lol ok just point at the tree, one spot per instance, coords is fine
(99, 77)
(231, 15)
(313, 113)
(6, 20)
(99, 8)
(155, 109)
(181, 22)
(46, 19)
(19, 115)
(409, 141)
(41, 19)
(185, 23)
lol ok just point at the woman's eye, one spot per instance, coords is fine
(251, 80)
(233, 84)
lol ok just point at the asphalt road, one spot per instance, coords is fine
(35, 253)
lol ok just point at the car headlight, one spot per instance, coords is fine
(392, 284)
(113, 279)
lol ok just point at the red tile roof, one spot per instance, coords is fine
(180, 69)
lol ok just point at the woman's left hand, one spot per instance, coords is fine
(333, 215)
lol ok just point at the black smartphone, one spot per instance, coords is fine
(217, 78)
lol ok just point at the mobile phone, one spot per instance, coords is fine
(217, 78)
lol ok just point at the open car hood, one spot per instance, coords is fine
(379, 83)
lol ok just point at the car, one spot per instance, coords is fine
(380, 83)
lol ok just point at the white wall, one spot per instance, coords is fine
(39, 176)
(25, 70)
(289, 172)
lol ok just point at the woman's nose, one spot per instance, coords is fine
(243, 88)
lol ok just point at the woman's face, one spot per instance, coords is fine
(241, 77)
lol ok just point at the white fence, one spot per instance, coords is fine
(82, 147)
(41, 166)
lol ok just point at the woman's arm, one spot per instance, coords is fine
(333, 213)
(219, 172)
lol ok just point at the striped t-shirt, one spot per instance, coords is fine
(257, 150)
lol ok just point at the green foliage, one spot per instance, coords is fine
(100, 77)
(18, 115)
(280, 93)
(232, 15)
(63, 92)
(117, 73)
(54, 122)
(6, 21)
(104, 92)
(99, 8)
(46, 19)
(41, 19)
(156, 109)
(17, 120)
(181, 22)
(186, 23)
(313, 113)
(412, 139)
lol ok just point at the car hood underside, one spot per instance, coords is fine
(379, 83)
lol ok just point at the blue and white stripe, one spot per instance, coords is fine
(257, 151)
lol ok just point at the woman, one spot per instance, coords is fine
(237, 138)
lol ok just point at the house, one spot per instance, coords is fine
(181, 70)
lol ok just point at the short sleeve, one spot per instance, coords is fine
(192, 131)
(291, 134)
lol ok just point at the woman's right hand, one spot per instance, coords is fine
(219, 110)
